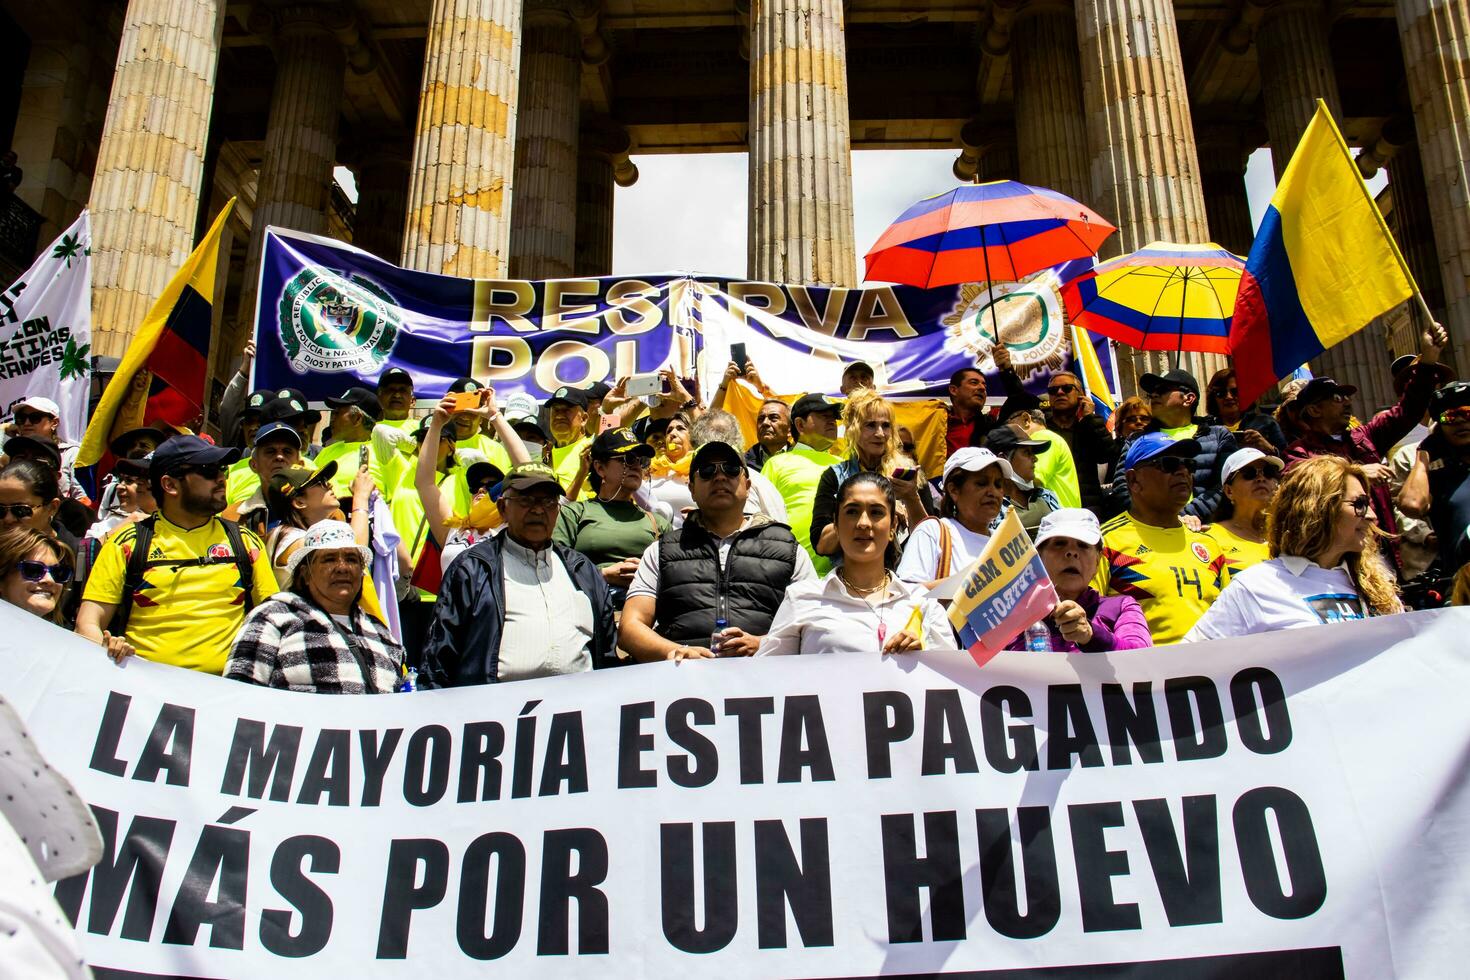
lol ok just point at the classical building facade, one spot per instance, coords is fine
(486, 136)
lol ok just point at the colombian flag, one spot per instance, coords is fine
(170, 349)
(1322, 266)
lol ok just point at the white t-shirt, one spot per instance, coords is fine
(824, 617)
(1280, 594)
(920, 560)
(645, 579)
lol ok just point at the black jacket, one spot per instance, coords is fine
(1092, 446)
(1265, 424)
(463, 647)
(693, 591)
(1216, 445)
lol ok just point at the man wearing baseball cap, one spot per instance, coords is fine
(797, 472)
(1438, 486)
(40, 418)
(395, 394)
(1173, 399)
(277, 447)
(566, 416)
(1174, 573)
(354, 414)
(183, 579)
(287, 409)
(518, 605)
(1325, 412)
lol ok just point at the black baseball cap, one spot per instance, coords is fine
(293, 481)
(394, 374)
(647, 428)
(180, 451)
(123, 444)
(1455, 395)
(128, 466)
(256, 402)
(293, 396)
(598, 389)
(572, 396)
(273, 429)
(447, 432)
(32, 448)
(714, 452)
(459, 385)
(526, 476)
(1320, 389)
(483, 474)
(616, 442)
(359, 398)
(807, 404)
(1002, 439)
(1175, 380)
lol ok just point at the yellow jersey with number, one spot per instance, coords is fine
(1173, 573)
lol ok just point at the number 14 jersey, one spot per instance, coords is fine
(1174, 573)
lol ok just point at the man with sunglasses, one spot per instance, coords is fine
(1173, 398)
(1173, 572)
(1324, 409)
(1438, 487)
(724, 572)
(185, 596)
(518, 605)
(1069, 415)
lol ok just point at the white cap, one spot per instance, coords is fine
(38, 404)
(520, 407)
(1242, 458)
(326, 535)
(1070, 522)
(973, 459)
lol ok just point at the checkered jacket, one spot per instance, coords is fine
(291, 643)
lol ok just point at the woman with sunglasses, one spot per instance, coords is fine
(611, 528)
(1249, 481)
(34, 571)
(1253, 429)
(1325, 566)
(30, 494)
(862, 606)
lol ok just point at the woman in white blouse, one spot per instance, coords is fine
(861, 606)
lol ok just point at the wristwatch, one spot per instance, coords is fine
(691, 403)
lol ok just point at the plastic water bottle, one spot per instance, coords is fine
(1038, 637)
(714, 638)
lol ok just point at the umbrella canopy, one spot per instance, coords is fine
(1164, 297)
(1002, 231)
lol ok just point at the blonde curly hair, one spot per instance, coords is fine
(1303, 520)
(864, 406)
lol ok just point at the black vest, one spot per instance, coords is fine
(692, 591)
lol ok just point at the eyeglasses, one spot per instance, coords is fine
(33, 571)
(1062, 389)
(708, 470)
(30, 418)
(1233, 392)
(1137, 419)
(1167, 464)
(1458, 414)
(210, 471)
(21, 512)
(537, 502)
(1252, 473)
(630, 460)
(1360, 505)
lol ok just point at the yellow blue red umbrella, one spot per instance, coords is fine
(1164, 297)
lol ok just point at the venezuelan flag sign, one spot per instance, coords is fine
(1091, 370)
(1005, 591)
(170, 349)
(1322, 266)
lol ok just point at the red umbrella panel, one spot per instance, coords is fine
(1000, 231)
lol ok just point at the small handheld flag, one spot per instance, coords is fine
(1003, 592)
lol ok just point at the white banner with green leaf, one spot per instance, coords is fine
(46, 330)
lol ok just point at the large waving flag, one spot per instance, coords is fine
(1322, 267)
(170, 351)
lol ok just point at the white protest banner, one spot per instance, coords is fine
(46, 329)
(1286, 805)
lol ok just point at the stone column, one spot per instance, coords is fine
(150, 163)
(800, 155)
(458, 220)
(300, 152)
(382, 201)
(1435, 35)
(1145, 172)
(1296, 71)
(1051, 131)
(1223, 153)
(602, 160)
(543, 229)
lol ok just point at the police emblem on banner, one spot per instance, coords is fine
(331, 322)
(1028, 317)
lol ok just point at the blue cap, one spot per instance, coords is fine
(180, 451)
(276, 428)
(1145, 447)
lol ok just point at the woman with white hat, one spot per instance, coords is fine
(975, 482)
(1249, 480)
(315, 636)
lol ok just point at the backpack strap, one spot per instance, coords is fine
(139, 565)
(133, 576)
(242, 561)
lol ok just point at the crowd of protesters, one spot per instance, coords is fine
(487, 542)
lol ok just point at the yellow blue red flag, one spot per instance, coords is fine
(1323, 264)
(1003, 592)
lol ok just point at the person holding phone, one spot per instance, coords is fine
(872, 447)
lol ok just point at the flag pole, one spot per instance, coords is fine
(1387, 232)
